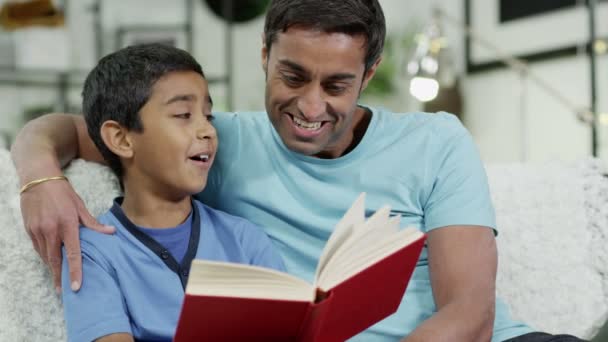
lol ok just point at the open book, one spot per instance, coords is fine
(361, 277)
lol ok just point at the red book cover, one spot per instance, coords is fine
(345, 310)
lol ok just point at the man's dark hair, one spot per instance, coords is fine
(121, 84)
(353, 17)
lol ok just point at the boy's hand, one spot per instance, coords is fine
(52, 212)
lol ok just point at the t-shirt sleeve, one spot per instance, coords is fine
(98, 308)
(260, 249)
(459, 192)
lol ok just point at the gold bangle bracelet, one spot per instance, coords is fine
(39, 181)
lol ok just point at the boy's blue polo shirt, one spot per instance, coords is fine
(128, 282)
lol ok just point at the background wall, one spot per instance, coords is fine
(513, 119)
(507, 125)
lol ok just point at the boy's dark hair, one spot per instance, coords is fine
(352, 17)
(121, 84)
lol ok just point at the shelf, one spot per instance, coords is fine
(56, 78)
(42, 77)
(65, 81)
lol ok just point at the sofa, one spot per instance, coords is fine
(552, 242)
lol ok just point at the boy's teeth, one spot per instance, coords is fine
(204, 157)
(307, 125)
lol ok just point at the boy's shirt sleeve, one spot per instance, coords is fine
(98, 308)
(259, 248)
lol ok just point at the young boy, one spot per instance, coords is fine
(148, 110)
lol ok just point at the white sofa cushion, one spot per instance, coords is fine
(553, 243)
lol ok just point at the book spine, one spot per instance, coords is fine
(313, 324)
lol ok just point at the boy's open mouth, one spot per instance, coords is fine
(201, 157)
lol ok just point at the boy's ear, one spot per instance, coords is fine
(117, 139)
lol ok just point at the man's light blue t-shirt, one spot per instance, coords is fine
(132, 284)
(425, 166)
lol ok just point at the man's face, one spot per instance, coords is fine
(173, 154)
(313, 81)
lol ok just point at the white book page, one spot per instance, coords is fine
(376, 227)
(353, 216)
(214, 278)
(365, 234)
(365, 257)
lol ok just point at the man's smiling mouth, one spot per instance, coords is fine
(306, 125)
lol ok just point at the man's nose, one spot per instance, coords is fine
(312, 104)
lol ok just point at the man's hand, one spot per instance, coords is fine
(52, 212)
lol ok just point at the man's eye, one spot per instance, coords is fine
(183, 116)
(292, 80)
(335, 89)
(210, 117)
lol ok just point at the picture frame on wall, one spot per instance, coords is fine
(170, 35)
(530, 30)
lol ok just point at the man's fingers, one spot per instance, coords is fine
(36, 245)
(89, 221)
(43, 251)
(51, 214)
(33, 233)
(71, 243)
(53, 258)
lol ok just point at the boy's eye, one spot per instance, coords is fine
(183, 116)
(209, 117)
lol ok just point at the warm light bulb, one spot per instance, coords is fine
(423, 88)
(603, 118)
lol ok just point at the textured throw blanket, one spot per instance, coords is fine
(553, 248)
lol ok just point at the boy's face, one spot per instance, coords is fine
(313, 81)
(173, 154)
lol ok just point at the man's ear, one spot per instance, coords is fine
(370, 73)
(117, 139)
(264, 55)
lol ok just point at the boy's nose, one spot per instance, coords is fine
(205, 130)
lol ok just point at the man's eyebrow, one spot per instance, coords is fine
(295, 66)
(181, 97)
(301, 69)
(342, 77)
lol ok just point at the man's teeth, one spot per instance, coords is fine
(307, 125)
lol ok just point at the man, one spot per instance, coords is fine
(296, 170)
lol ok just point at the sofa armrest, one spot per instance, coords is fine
(552, 220)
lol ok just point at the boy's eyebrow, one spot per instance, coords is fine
(187, 98)
(301, 69)
(181, 97)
